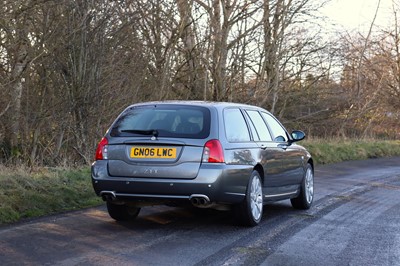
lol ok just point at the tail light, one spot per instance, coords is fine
(102, 149)
(213, 152)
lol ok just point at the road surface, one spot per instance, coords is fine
(355, 220)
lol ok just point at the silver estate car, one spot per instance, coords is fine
(210, 154)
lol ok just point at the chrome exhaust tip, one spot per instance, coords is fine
(108, 195)
(199, 200)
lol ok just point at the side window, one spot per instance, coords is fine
(253, 130)
(235, 126)
(277, 130)
(260, 125)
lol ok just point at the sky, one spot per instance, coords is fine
(357, 14)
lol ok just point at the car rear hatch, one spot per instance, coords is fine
(158, 141)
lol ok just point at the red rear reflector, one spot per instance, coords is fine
(102, 148)
(213, 152)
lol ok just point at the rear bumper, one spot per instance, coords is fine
(220, 183)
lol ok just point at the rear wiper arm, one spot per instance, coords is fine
(153, 132)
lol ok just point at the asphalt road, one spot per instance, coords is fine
(355, 220)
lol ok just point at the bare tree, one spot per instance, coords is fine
(67, 68)
(278, 19)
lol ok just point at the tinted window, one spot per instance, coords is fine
(169, 120)
(277, 130)
(252, 128)
(260, 125)
(235, 126)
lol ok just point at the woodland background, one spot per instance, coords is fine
(68, 67)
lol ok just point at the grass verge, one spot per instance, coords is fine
(333, 151)
(27, 193)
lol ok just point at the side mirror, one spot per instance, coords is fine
(280, 139)
(298, 135)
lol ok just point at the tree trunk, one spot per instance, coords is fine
(16, 92)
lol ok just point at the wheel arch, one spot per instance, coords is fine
(260, 171)
(311, 162)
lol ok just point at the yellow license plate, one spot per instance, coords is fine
(153, 153)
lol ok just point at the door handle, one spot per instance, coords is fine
(283, 146)
(263, 147)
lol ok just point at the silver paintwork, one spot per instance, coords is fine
(281, 166)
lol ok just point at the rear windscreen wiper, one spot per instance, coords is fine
(142, 132)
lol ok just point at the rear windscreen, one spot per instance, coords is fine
(178, 121)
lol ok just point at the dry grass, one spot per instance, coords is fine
(26, 193)
(336, 150)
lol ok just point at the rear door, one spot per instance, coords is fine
(272, 157)
(158, 141)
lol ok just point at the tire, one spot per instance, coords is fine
(122, 212)
(250, 211)
(306, 196)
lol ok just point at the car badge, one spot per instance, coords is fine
(153, 138)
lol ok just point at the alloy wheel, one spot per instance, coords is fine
(256, 200)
